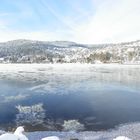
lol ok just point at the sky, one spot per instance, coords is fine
(82, 21)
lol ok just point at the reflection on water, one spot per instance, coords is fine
(67, 97)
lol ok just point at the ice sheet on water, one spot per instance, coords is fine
(47, 76)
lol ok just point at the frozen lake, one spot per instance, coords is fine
(69, 96)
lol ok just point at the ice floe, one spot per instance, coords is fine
(71, 125)
(33, 114)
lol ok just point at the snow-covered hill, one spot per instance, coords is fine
(27, 51)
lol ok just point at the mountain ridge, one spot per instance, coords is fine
(65, 41)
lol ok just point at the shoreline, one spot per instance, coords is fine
(77, 64)
(130, 130)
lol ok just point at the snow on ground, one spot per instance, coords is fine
(130, 130)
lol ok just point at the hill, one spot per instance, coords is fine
(28, 51)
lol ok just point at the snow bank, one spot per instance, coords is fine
(131, 131)
(122, 138)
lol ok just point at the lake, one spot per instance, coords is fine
(65, 97)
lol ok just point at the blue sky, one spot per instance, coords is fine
(84, 21)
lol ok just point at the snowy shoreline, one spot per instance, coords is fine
(131, 130)
(69, 64)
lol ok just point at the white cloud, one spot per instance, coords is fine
(3, 25)
(7, 35)
(111, 21)
(114, 21)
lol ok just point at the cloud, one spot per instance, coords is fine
(7, 35)
(4, 14)
(114, 21)
(3, 24)
(108, 21)
(64, 20)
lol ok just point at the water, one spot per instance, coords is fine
(68, 97)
